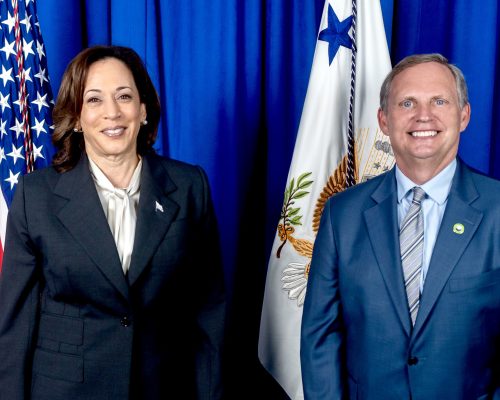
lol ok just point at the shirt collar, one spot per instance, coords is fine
(437, 188)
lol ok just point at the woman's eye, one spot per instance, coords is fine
(93, 100)
(124, 97)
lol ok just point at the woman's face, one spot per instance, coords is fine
(111, 113)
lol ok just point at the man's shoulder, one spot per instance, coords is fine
(366, 188)
(350, 203)
(484, 183)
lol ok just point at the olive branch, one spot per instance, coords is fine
(289, 214)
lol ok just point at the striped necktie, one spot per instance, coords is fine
(411, 241)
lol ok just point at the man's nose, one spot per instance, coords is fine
(424, 113)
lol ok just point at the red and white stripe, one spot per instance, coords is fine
(3, 225)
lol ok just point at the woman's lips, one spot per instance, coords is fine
(115, 131)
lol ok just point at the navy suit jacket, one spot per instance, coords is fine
(73, 326)
(357, 341)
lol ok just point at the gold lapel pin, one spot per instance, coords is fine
(458, 228)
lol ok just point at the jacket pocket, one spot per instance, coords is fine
(61, 329)
(58, 365)
(485, 279)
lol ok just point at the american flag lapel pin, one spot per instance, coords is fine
(158, 207)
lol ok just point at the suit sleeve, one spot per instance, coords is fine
(211, 304)
(322, 334)
(19, 298)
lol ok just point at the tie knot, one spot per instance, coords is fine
(418, 194)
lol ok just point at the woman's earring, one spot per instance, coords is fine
(76, 130)
(145, 122)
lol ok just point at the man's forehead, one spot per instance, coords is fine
(430, 71)
(431, 78)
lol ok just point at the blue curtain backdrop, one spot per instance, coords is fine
(232, 76)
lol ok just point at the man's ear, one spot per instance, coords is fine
(382, 121)
(465, 117)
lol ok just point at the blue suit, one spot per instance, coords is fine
(357, 341)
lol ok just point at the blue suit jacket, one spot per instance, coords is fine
(73, 326)
(357, 341)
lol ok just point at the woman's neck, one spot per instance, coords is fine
(118, 170)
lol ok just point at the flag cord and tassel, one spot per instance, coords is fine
(351, 156)
(28, 143)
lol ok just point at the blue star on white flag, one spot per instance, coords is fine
(336, 33)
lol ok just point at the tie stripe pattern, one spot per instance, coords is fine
(411, 240)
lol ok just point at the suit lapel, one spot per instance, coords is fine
(82, 215)
(449, 245)
(155, 214)
(382, 225)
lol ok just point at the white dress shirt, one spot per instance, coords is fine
(120, 208)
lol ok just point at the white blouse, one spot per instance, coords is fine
(120, 208)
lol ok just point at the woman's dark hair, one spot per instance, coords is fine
(66, 114)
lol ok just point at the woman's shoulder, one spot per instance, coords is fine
(36, 187)
(167, 162)
(41, 176)
(176, 169)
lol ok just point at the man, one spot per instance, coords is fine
(403, 298)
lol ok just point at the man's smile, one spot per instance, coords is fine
(423, 133)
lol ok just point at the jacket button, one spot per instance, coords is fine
(412, 360)
(125, 321)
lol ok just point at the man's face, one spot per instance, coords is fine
(424, 118)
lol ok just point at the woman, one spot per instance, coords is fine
(111, 285)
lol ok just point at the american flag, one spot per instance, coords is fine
(25, 100)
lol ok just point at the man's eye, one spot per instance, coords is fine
(407, 103)
(440, 102)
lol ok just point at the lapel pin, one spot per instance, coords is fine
(158, 207)
(458, 229)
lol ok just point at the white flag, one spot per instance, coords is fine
(319, 167)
